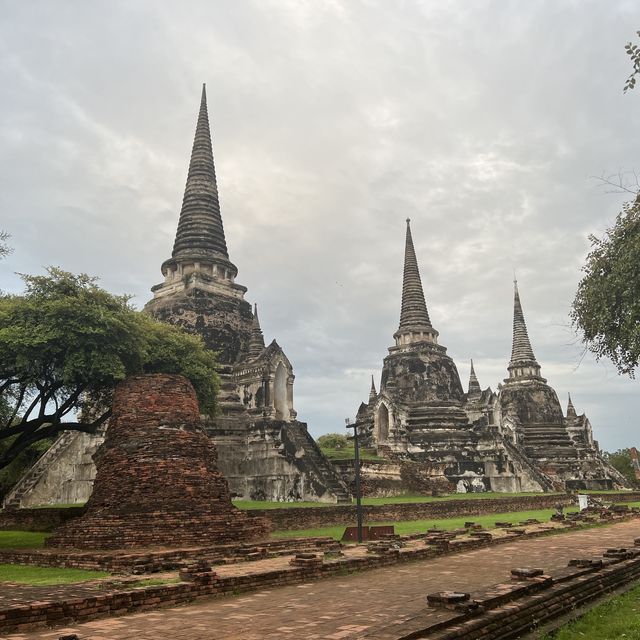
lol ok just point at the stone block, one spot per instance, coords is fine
(526, 573)
(306, 560)
(586, 563)
(452, 600)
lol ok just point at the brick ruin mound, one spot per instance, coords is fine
(157, 482)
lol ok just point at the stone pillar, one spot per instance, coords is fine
(292, 413)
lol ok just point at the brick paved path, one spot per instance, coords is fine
(349, 606)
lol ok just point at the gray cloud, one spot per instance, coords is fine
(333, 121)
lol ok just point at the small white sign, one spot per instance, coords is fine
(583, 502)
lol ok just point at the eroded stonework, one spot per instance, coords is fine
(265, 452)
(517, 439)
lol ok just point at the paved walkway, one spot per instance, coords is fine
(349, 606)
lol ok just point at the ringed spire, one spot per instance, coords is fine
(415, 324)
(200, 231)
(523, 362)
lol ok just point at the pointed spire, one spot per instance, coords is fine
(200, 231)
(523, 361)
(372, 393)
(474, 385)
(414, 308)
(571, 410)
(415, 324)
(256, 341)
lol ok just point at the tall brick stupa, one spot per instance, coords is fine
(157, 482)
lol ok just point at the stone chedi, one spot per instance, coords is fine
(418, 414)
(157, 482)
(561, 447)
(515, 440)
(265, 452)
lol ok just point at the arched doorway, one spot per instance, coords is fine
(383, 423)
(280, 393)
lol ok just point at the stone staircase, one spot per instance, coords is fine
(316, 461)
(542, 479)
(232, 411)
(431, 417)
(439, 429)
(548, 441)
(13, 499)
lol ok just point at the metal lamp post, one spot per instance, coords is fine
(356, 462)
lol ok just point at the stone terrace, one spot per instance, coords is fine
(342, 606)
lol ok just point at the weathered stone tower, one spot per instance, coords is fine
(264, 452)
(420, 401)
(515, 440)
(529, 413)
(420, 414)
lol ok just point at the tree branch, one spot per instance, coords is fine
(51, 430)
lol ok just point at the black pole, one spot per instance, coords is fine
(356, 465)
(357, 470)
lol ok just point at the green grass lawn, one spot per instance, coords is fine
(22, 539)
(46, 575)
(420, 526)
(618, 617)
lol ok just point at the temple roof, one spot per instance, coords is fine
(521, 350)
(474, 385)
(372, 392)
(200, 231)
(571, 410)
(413, 312)
(256, 341)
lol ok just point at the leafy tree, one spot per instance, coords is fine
(64, 345)
(5, 249)
(333, 441)
(621, 461)
(606, 308)
(633, 51)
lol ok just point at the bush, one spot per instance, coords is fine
(333, 441)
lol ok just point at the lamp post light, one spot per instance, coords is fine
(356, 464)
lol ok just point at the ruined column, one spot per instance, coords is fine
(157, 482)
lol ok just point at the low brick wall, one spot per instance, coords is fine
(37, 519)
(312, 517)
(153, 561)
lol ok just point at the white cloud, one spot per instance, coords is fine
(332, 123)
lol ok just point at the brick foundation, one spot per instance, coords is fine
(511, 606)
(157, 481)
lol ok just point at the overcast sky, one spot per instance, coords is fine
(333, 121)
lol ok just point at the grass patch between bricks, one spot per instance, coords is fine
(616, 618)
(420, 526)
(22, 539)
(46, 576)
